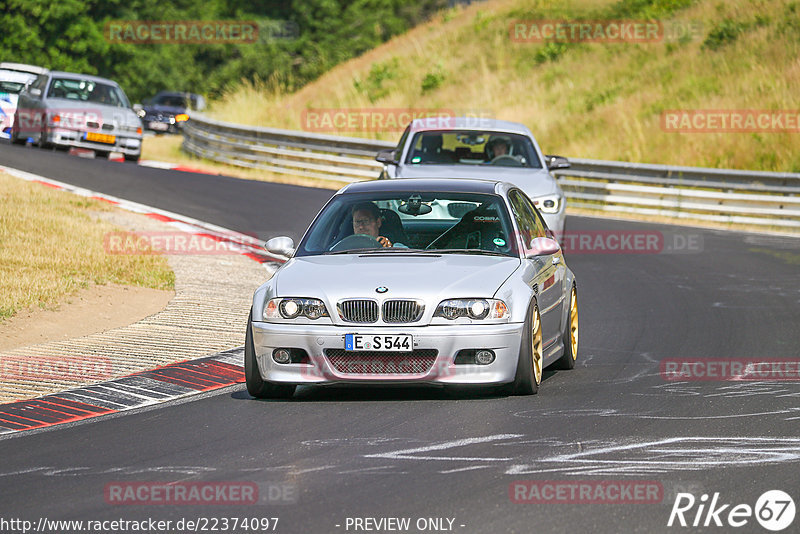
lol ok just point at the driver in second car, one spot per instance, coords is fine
(367, 221)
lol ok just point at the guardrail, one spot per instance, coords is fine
(765, 199)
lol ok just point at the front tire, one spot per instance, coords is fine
(570, 338)
(14, 135)
(529, 365)
(257, 386)
(43, 136)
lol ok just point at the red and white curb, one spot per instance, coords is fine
(173, 167)
(120, 157)
(145, 388)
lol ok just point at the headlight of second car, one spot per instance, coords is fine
(294, 307)
(548, 204)
(472, 308)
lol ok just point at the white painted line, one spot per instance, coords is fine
(408, 454)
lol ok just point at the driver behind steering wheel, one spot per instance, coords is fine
(367, 221)
(497, 146)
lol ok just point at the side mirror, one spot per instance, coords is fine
(543, 246)
(387, 157)
(280, 246)
(36, 92)
(556, 162)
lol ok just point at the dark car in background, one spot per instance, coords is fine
(166, 111)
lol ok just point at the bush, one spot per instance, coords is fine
(724, 33)
(433, 80)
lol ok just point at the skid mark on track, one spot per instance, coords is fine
(736, 389)
(519, 455)
(667, 455)
(418, 453)
(611, 412)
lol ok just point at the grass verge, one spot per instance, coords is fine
(588, 100)
(51, 246)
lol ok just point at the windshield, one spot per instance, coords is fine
(447, 223)
(173, 101)
(13, 82)
(87, 91)
(10, 87)
(472, 147)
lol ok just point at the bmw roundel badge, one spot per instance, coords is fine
(382, 289)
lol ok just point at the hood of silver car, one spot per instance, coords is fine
(423, 276)
(534, 182)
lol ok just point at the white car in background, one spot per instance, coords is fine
(13, 79)
(465, 147)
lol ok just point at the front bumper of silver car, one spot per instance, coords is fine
(128, 144)
(319, 341)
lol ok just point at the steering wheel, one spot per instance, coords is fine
(356, 241)
(505, 159)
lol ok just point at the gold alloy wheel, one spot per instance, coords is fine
(536, 349)
(573, 323)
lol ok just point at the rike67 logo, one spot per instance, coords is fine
(774, 510)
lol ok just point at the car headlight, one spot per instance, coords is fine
(181, 117)
(141, 113)
(472, 308)
(293, 307)
(548, 204)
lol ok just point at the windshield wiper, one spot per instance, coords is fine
(392, 250)
(466, 251)
(381, 250)
(351, 251)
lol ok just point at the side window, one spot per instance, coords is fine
(40, 82)
(402, 141)
(541, 226)
(525, 219)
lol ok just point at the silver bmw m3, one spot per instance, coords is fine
(420, 281)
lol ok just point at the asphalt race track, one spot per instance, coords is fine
(338, 453)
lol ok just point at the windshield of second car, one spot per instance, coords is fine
(87, 91)
(466, 223)
(471, 147)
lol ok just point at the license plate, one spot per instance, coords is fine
(162, 126)
(100, 138)
(384, 342)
